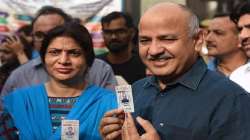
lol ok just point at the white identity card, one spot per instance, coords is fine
(70, 130)
(125, 98)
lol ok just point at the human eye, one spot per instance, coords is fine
(219, 32)
(54, 52)
(239, 29)
(121, 31)
(107, 32)
(168, 38)
(75, 53)
(144, 40)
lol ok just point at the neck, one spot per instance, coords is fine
(231, 62)
(60, 89)
(121, 57)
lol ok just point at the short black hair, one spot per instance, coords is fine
(75, 31)
(115, 15)
(26, 29)
(48, 10)
(241, 9)
(221, 14)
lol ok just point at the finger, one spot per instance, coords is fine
(111, 117)
(113, 135)
(110, 123)
(8, 39)
(114, 112)
(110, 128)
(131, 128)
(125, 135)
(146, 125)
(16, 38)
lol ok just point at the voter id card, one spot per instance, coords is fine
(125, 97)
(70, 130)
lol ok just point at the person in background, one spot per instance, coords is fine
(26, 33)
(37, 111)
(48, 17)
(223, 45)
(183, 100)
(118, 33)
(240, 16)
(12, 54)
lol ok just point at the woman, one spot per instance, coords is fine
(37, 111)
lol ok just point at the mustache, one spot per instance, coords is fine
(159, 56)
(245, 41)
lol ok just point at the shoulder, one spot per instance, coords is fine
(102, 56)
(24, 93)
(102, 92)
(241, 71)
(105, 96)
(27, 90)
(217, 83)
(29, 66)
(99, 64)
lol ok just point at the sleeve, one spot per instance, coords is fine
(8, 130)
(231, 119)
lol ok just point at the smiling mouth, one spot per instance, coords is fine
(210, 46)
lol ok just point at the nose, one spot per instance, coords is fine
(244, 33)
(113, 36)
(208, 37)
(156, 48)
(64, 59)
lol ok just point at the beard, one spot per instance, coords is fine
(117, 47)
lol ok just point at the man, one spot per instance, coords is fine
(222, 43)
(183, 100)
(118, 32)
(241, 17)
(33, 72)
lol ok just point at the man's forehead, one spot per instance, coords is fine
(244, 20)
(47, 22)
(221, 22)
(118, 22)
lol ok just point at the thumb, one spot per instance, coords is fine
(146, 125)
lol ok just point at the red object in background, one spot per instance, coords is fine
(4, 28)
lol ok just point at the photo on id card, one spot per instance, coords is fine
(70, 130)
(125, 97)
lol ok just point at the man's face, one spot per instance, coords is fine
(222, 37)
(117, 35)
(164, 44)
(43, 24)
(244, 35)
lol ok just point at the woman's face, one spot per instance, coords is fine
(65, 60)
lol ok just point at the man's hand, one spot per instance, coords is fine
(111, 125)
(129, 131)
